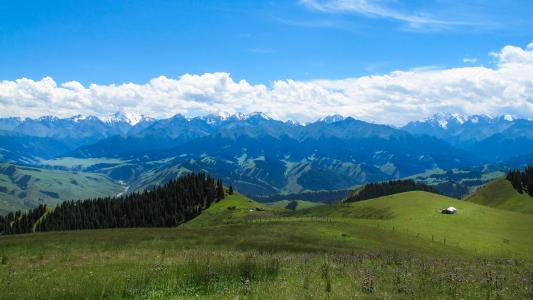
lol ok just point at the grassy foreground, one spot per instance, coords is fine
(381, 248)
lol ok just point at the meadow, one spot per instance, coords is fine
(386, 248)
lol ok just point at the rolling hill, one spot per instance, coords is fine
(501, 194)
(475, 229)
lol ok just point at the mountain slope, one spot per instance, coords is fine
(501, 194)
(492, 139)
(18, 147)
(515, 141)
(75, 131)
(24, 187)
(259, 158)
(460, 130)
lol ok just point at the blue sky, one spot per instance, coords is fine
(385, 61)
(261, 41)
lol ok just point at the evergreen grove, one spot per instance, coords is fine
(176, 202)
(522, 181)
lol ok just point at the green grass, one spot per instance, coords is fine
(501, 194)
(475, 228)
(22, 188)
(380, 248)
(411, 216)
(235, 208)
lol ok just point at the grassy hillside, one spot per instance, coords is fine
(501, 194)
(234, 208)
(24, 187)
(475, 228)
(412, 215)
(388, 248)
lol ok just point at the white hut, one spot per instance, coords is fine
(449, 211)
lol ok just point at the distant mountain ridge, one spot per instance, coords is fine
(492, 139)
(261, 155)
(75, 131)
(489, 138)
(461, 128)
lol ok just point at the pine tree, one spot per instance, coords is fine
(220, 190)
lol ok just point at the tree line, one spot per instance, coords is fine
(169, 205)
(374, 190)
(522, 181)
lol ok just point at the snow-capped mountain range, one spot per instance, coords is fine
(492, 137)
(448, 121)
(457, 128)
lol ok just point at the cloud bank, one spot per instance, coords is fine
(394, 98)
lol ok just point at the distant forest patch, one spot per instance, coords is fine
(522, 181)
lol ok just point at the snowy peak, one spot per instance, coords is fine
(443, 120)
(446, 121)
(463, 131)
(47, 119)
(125, 117)
(255, 115)
(332, 119)
(225, 116)
(508, 118)
(81, 118)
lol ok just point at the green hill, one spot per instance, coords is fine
(234, 208)
(501, 194)
(474, 228)
(387, 223)
(22, 188)
(393, 247)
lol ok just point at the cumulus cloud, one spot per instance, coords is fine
(394, 98)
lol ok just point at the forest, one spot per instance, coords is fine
(522, 181)
(169, 205)
(374, 190)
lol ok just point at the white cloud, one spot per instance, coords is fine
(382, 9)
(469, 60)
(393, 98)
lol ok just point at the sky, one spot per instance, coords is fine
(385, 61)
